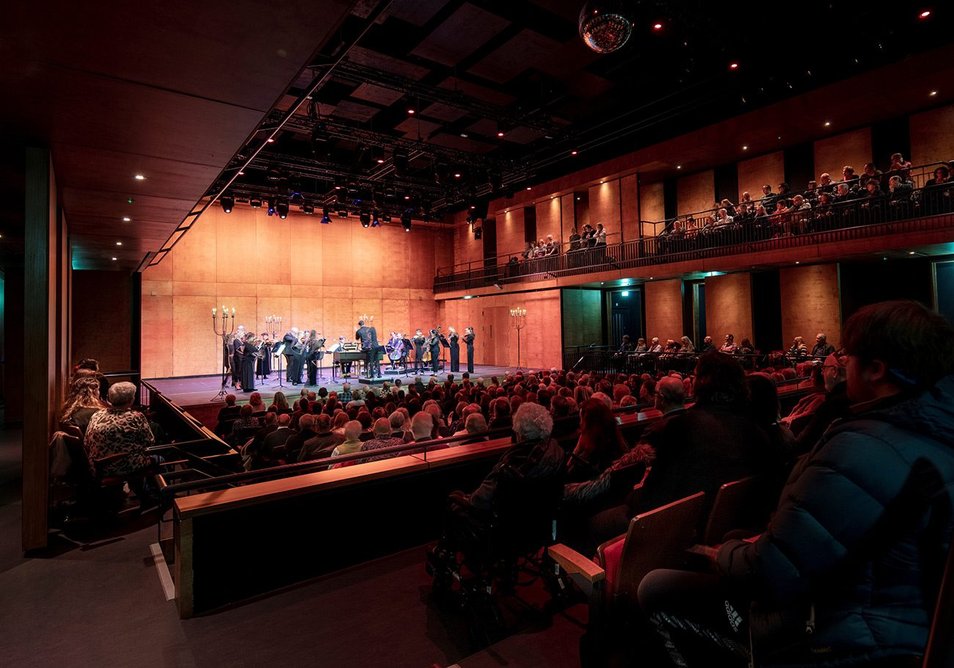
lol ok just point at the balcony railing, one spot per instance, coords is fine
(708, 234)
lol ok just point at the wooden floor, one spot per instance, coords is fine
(193, 390)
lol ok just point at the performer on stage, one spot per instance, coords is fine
(434, 344)
(418, 342)
(454, 339)
(235, 350)
(368, 336)
(249, 357)
(292, 347)
(318, 353)
(311, 356)
(264, 363)
(469, 342)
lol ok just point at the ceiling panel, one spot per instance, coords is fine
(460, 35)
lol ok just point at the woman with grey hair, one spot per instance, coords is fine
(120, 436)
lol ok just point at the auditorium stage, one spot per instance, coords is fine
(195, 390)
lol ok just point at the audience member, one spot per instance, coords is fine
(352, 442)
(82, 403)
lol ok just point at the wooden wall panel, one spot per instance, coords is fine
(102, 318)
(811, 303)
(756, 172)
(932, 136)
(549, 221)
(850, 148)
(663, 309)
(567, 206)
(510, 232)
(325, 280)
(652, 206)
(582, 317)
(604, 208)
(695, 192)
(629, 198)
(729, 306)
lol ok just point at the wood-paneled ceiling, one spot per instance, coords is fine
(186, 92)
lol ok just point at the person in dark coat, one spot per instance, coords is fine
(469, 342)
(848, 569)
(249, 357)
(454, 344)
(418, 341)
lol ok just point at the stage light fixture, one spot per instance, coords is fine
(308, 209)
(281, 207)
(375, 222)
(406, 220)
(255, 202)
(478, 232)
(365, 218)
(386, 218)
(270, 206)
(325, 216)
(342, 213)
(227, 202)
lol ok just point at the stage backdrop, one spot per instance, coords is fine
(312, 275)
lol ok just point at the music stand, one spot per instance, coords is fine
(226, 371)
(277, 349)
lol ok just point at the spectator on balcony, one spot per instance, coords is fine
(936, 194)
(575, 240)
(641, 346)
(687, 346)
(871, 173)
(801, 214)
(899, 196)
(588, 237)
(799, 349)
(823, 209)
(728, 346)
(656, 347)
(825, 184)
(553, 248)
(722, 218)
(811, 191)
(707, 345)
(849, 177)
(842, 194)
(600, 235)
(768, 198)
(745, 347)
(784, 190)
(782, 220)
(900, 167)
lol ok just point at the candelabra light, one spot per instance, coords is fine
(223, 331)
(273, 325)
(518, 320)
(367, 319)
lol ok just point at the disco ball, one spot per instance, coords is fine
(604, 26)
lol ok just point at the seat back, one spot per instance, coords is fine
(657, 539)
(523, 512)
(735, 507)
(940, 646)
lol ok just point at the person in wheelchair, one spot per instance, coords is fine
(510, 513)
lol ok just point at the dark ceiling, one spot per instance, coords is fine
(505, 93)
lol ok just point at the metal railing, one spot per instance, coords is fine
(753, 229)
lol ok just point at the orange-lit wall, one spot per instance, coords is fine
(833, 153)
(663, 309)
(932, 136)
(811, 303)
(729, 306)
(313, 275)
(755, 173)
(695, 192)
(604, 208)
(496, 342)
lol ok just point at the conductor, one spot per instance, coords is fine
(368, 336)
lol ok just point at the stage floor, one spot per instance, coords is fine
(194, 390)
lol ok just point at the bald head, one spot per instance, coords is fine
(670, 394)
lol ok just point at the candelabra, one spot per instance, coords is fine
(518, 320)
(367, 319)
(228, 320)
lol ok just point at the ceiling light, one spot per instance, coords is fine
(456, 175)
(604, 27)
(114, 259)
(910, 252)
(281, 207)
(120, 243)
(464, 135)
(375, 222)
(827, 124)
(241, 173)
(657, 26)
(745, 147)
(365, 218)
(270, 140)
(529, 188)
(733, 66)
(325, 216)
(933, 93)
(407, 197)
(308, 209)
(227, 202)
(411, 111)
(127, 219)
(255, 202)
(406, 220)
(139, 177)
(678, 166)
(574, 152)
(342, 213)
(797, 262)
(925, 14)
(500, 133)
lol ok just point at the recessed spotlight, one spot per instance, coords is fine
(578, 199)
(411, 111)
(574, 152)
(407, 197)
(270, 140)
(241, 173)
(827, 124)
(745, 147)
(380, 161)
(114, 259)
(797, 262)
(933, 93)
(456, 175)
(119, 243)
(464, 135)
(127, 219)
(657, 26)
(925, 14)
(139, 177)
(733, 66)
(678, 166)
(529, 188)
(500, 133)
(911, 253)
(779, 137)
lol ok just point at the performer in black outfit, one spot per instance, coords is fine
(249, 357)
(434, 343)
(235, 352)
(368, 336)
(418, 341)
(454, 338)
(469, 341)
(292, 348)
(263, 366)
(311, 355)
